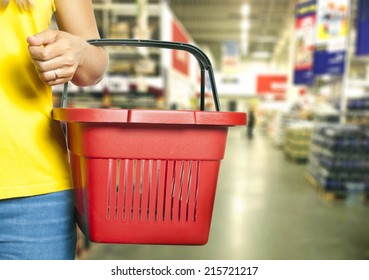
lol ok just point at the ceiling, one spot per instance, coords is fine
(213, 22)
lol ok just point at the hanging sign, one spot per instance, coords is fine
(272, 86)
(230, 57)
(331, 37)
(304, 43)
(362, 37)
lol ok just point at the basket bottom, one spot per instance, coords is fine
(149, 234)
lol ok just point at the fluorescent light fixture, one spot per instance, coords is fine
(245, 10)
(244, 48)
(244, 36)
(244, 43)
(261, 55)
(265, 39)
(245, 24)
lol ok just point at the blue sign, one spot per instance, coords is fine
(362, 41)
(332, 63)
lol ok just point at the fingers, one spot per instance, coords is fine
(44, 52)
(55, 77)
(46, 72)
(53, 70)
(41, 45)
(53, 56)
(34, 41)
(43, 38)
(50, 77)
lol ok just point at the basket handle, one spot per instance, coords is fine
(201, 57)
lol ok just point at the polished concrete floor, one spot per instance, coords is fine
(264, 210)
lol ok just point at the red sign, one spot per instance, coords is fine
(274, 86)
(180, 59)
(271, 84)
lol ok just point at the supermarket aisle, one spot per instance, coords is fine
(265, 210)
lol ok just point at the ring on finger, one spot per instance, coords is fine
(56, 74)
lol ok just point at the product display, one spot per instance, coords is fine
(297, 141)
(357, 104)
(280, 123)
(338, 159)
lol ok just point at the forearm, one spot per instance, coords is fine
(77, 18)
(92, 68)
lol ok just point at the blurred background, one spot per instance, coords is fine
(294, 182)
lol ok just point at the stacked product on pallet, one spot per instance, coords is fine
(358, 104)
(280, 123)
(358, 111)
(338, 158)
(297, 141)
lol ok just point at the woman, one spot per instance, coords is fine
(36, 197)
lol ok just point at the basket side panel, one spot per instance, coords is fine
(77, 169)
(149, 201)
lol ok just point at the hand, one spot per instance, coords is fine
(56, 55)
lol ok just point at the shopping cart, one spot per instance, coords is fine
(147, 176)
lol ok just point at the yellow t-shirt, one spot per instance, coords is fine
(33, 156)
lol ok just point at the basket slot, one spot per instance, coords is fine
(185, 187)
(116, 190)
(180, 191)
(112, 189)
(145, 190)
(176, 190)
(128, 194)
(192, 192)
(119, 188)
(161, 189)
(196, 190)
(109, 188)
(153, 190)
(133, 207)
(169, 185)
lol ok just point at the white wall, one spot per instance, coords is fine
(242, 84)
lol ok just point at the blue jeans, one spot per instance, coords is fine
(39, 227)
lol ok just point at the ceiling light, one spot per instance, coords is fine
(244, 36)
(244, 43)
(245, 10)
(245, 25)
(265, 39)
(261, 55)
(244, 48)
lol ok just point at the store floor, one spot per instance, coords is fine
(264, 210)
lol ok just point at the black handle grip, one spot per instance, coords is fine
(203, 60)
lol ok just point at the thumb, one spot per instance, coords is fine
(42, 39)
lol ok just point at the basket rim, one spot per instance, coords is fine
(141, 116)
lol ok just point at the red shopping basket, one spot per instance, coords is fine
(147, 176)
